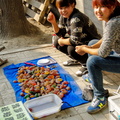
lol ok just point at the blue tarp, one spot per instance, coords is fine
(72, 99)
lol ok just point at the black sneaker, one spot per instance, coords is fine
(71, 62)
(106, 93)
(83, 70)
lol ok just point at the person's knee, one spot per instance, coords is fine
(92, 42)
(71, 50)
(92, 61)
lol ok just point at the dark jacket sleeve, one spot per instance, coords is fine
(76, 28)
(82, 29)
(62, 29)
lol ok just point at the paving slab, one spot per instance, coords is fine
(7, 95)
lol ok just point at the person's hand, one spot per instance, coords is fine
(51, 18)
(60, 41)
(79, 49)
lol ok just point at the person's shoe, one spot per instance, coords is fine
(71, 62)
(97, 105)
(83, 70)
(86, 78)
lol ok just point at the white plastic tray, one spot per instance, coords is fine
(44, 105)
(43, 61)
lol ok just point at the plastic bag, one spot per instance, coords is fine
(88, 93)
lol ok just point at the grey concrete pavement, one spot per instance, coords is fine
(7, 95)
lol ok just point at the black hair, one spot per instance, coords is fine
(65, 3)
(116, 11)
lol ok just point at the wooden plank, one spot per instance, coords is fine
(36, 9)
(42, 13)
(34, 3)
(52, 1)
(33, 14)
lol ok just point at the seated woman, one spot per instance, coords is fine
(105, 53)
(74, 28)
